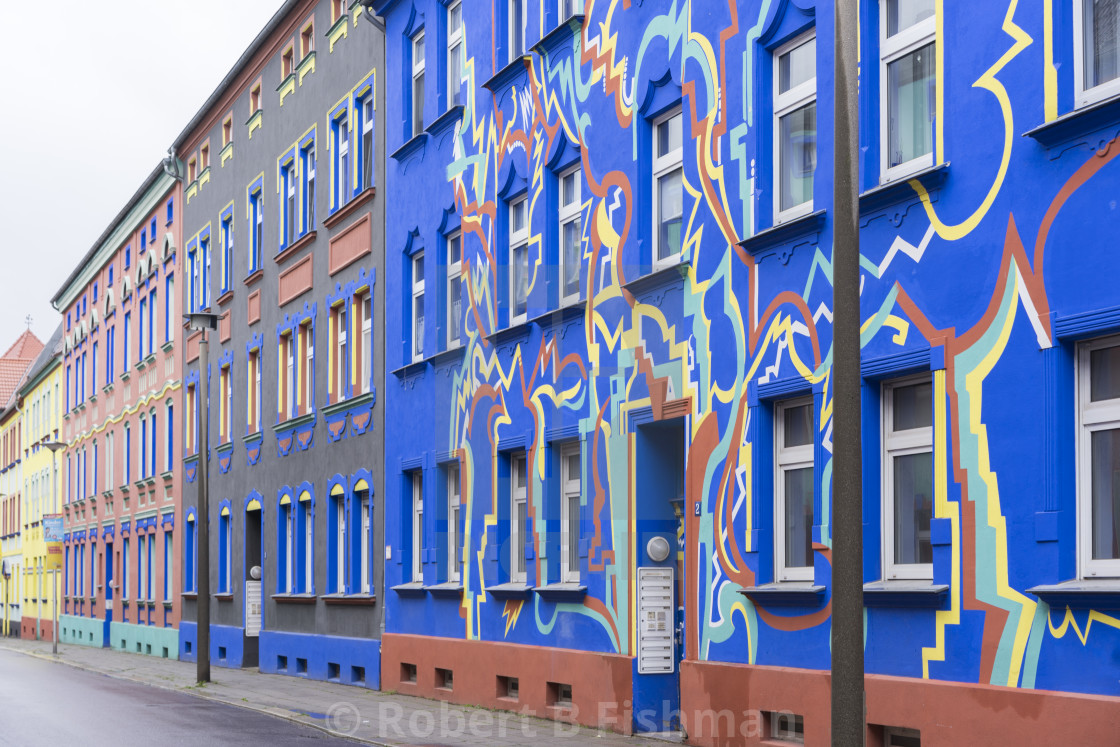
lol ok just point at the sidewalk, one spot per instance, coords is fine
(365, 715)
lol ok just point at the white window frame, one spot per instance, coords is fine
(340, 570)
(571, 488)
(570, 212)
(308, 546)
(290, 228)
(518, 464)
(1091, 417)
(663, 165)
(366, 302)
(307, 335)
(290, 373)
(342, 359)
(454, 523)
(518, 240)
(569, 8)
(520, 33)
(454, 276)
(364, 507)
(786, 103)
(1086, 96)
(290, 543)
(417, 526)
(901, 443)
(342, 173)
(891, 49)
(417, 295)
(417, 43)
(787, 459)
(367, 141)
(454, 39)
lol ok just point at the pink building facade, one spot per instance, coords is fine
(123, 394)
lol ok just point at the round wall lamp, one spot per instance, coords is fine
(657, 549)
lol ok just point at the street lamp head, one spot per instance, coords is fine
(201, 320)
(54, 446)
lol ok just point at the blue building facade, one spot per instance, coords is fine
(608, 323)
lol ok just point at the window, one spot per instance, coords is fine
(418, 84)
(168, 566)
(192, 172)
(908, 478)
(1096, 64)
(364, 306)
(192, 291)
(204, 253)
(907, 81)
(454, 53)
(227, 131)
(306, 40)
(256, 230)
(340, 358)
(519, 514)
(570, 486)
(361, 500)
(204, 159)
(896, 736)
(787, 727)
(518, 260)
(307, 156)
(168, 310)
(342, 160)
(93, 371)
(287, 547)
(338, 542)
(225, 399)
(227, 252)
(417, 525)
(255, 99)
(418, 306)
(170, 210)
(307, 369)
(668, 188)
(224, 546)
(454, 525)
(110, 460)
(153, 451)
(366, 111)
(128, 256)
(571, 234)
(153, 306)
(288, 203)
(125, 557)
(569, 8)
(793, 490)
(110, 354)
(338, 9)
(253, 392)
(287, 63)
(1098, 456)
(143, 447)
(795, 127)
(127, 455)
(454, 287)
(189, 553)
(286, 375)
(128, 334)
(142, 318)
(170, 463)
(516, 21)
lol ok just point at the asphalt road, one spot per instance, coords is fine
(43, 703)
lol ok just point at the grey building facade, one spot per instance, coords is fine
(283, 234)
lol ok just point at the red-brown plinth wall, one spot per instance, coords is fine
(29, 625)
(602, 688)
(721, 705)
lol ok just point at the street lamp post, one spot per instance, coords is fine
(55, 447)
(203, 322)
(848, 714)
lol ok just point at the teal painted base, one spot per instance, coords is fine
(144, 639)
(84, 631)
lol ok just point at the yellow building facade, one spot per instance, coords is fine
(40, 416)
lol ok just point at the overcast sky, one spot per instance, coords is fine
(93, 97)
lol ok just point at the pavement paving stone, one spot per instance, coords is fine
(380, 718)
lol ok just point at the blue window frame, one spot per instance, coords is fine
(152, 306)
(364, 114)
(128, 257)
(307, 166)
(288, 205)
(141, 320)
(227, 250)
(170, 435)
(340, 131)
(93, 373)
(256, 227)
(224, 552)
(152, 232)
(127, 454)
(204, 260)
(170, 210)
(192, 289)
(168, 308)
(143, 242)
(127, 336)
(189, 546)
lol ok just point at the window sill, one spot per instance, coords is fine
(224, 596)
(289, 251)
(125, 375)
(253, 277)
(253, 437)
(781, 240)
(351, 207)
(447, 589)
(167, 604)
(916, 593)
(168, 346)
(225, 298)
(1098, 594)
(512, 590)
(350, 599)
(296, 422)
(899, 190)
(501, 80)
(410, 147)
(1077, 124)
(565, 32)
(189, 595)
(412, 588)
(570, 591)
(443, 122)
(356, 401)
(785, 594)
(409, 369)
(294, 598)
(167, 476)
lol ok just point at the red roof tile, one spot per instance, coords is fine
(26, 346)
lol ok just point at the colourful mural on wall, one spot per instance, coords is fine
(982, 270)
